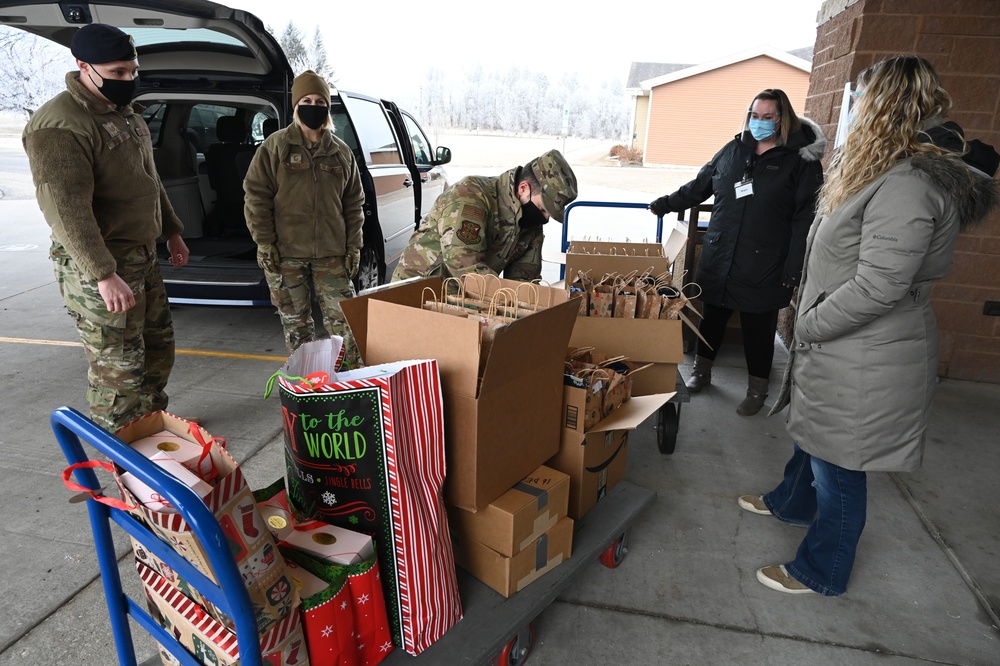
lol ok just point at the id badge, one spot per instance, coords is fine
(744, 188)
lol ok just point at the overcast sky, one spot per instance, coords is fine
(385, 46)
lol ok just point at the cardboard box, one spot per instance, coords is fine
(519, 516)
(600, 258)
(497, 430)
(658, 341)
(210, 641)
(508, 575)
(596, 461)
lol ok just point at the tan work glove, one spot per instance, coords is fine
(352, 261)
(268, 257)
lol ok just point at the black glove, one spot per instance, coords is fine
(660, 206)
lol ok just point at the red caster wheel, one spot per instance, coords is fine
(516, 652)
(616, 552)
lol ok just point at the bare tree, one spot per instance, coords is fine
(33, 70)
(522, 101)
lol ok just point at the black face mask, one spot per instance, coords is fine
(313, 116)
(116, 91)
(531, 216)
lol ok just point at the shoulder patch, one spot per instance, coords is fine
(474, 213)
(469, 232)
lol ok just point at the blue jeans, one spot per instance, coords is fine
(832, 502)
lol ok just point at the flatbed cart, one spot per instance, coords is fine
(668, 417)
(494, 630)
(498, 631)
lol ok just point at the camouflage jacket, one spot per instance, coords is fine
(310, 204)
(95, 180)
(473, 228)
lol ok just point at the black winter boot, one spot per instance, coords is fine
(701, 374)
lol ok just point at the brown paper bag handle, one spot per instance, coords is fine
(433, 298)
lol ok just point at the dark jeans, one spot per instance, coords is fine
(758, 336)
(833, 502)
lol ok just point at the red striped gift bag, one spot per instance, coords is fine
(365, 450)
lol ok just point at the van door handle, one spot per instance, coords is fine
(424, 179)
(407, 183)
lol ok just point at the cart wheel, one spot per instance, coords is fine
(517, 650)
(666, 428)
(616, 552)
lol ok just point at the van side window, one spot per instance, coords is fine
(421, 146)
(372, 123)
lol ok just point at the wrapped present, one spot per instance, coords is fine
(230, 500)
(365, 451)
(210, 641)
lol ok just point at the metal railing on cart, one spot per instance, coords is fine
(229, 595)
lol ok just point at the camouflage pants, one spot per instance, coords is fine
(130, 353)
(292, 288)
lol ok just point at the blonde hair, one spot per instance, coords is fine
(898, 97)
(788, 122)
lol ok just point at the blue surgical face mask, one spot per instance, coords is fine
(762, 129)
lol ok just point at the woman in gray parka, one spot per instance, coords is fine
(863, 364)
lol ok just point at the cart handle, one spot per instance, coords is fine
(600, 204)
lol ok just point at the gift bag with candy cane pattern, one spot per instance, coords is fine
(364, 450)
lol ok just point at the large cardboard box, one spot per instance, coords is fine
(499, 429)
(596, 460)
(600, 258)
(519, 516)
(508, 575)
(658, 341)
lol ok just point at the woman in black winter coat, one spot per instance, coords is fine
(765, 183)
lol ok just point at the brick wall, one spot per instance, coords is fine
(962, 40)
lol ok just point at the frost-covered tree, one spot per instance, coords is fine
(33, 70)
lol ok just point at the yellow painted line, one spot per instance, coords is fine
(184, 352)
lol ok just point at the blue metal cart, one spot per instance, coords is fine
(229, 594)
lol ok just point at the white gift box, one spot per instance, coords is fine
(182, 450)
(331, 543)
(152, 499)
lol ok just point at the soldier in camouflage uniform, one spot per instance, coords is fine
(304, 208)
(92, 163)
(491, 225)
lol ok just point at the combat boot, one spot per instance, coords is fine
(756, 394)
(701, 374)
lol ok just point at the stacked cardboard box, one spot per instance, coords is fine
(596, 458)
(657, 341)
(499, 424)
(520, 536)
